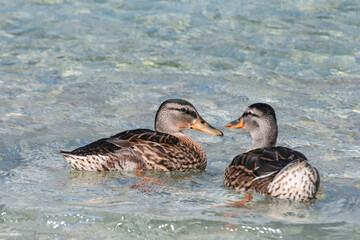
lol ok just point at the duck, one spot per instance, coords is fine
(268, 169)
(167, 148)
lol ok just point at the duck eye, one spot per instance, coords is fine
(252, 114)
(183, 110)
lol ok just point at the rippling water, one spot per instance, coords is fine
(73, 71)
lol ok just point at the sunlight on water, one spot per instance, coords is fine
(72, 72)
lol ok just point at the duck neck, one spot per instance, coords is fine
(192, 144)
(265, 138)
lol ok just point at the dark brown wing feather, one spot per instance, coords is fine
(157, 150)
(121, 140)
(146, 135)
(262, 163)
(99, 147)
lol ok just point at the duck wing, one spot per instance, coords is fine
(133, 150)
(256, 169)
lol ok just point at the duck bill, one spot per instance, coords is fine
(203, 126)
(238, 123)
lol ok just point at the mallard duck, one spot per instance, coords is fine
(167, 148)
(276, 171)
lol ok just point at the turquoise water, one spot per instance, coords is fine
(72, 72)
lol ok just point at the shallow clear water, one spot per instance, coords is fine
(72, 72)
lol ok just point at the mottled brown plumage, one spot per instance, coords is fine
(257, 169)
(141, 149)
(276, 171)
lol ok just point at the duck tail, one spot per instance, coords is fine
(297, 181)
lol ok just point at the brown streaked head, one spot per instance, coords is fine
(176, 115)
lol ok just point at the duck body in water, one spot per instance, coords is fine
(276, 171)
(167, 148)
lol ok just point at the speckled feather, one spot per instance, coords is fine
(277, 171)
(136, 149)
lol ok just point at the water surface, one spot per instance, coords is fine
(72, 72)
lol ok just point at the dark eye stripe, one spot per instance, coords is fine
(192, 113)
(183, 110)
(250, 114)
(177, 109)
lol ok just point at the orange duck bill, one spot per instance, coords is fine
(238, 123)
(205, 127)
